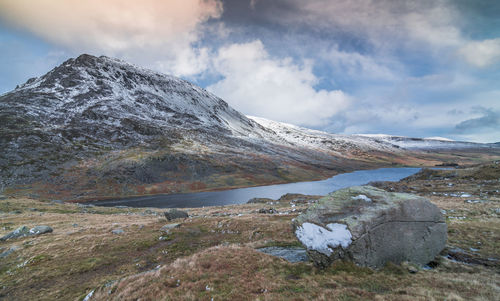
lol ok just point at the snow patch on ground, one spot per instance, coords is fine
(323, 240)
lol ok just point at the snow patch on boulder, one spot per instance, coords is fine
(361, 197)
(323, 240)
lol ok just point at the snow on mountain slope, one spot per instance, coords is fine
(299, 136)
(424, 143)
(97, 126)
(114, 93)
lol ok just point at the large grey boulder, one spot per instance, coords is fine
(371, 227)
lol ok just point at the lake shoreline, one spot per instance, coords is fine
(227, 197)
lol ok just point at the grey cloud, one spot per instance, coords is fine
(489, 121)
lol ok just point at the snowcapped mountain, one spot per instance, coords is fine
(425, 143)
(96, 127)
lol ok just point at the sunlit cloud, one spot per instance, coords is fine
(129, 29)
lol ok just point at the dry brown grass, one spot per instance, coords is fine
(212, 254)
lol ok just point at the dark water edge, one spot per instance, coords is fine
(242, 195)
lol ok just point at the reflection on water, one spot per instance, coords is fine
(242, 195)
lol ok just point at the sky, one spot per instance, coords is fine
(425, 68)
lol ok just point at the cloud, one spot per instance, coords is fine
(130, 29)
(482, 53)
(383, 23)
(488, 121)
(257, 84)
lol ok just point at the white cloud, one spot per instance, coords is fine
(278, 89)
(140, 31)
(481, 53)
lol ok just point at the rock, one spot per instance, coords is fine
(291, 254)
(9, 251)
(168, 227)
(117, 231)
(19, 232)
(23, 231)
(175, 214)
(267, 211)
(40, 230)
(391, 227)
(259, 200)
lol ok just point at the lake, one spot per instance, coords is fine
(242, 195)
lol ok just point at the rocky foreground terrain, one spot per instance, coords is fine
(130, 253)
(97, 127)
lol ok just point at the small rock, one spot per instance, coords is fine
(9, 251)
(169, 227)
(259, 200)
(267, 211)
(57, 202)
(40, 230)
(89, 296)
(175, 214)
(291, 254)
(118, 231)
(19, 232)
(411, 268)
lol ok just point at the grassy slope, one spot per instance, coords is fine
(212, 253)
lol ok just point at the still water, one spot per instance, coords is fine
(242, 195)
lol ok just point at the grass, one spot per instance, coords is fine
(212, 254)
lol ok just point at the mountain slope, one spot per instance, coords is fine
(95, 127)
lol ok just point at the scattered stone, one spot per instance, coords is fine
(393, 227)
(267, 211)
(23, 231)
(40, 230)
(9, 251)
(259, 200)
(57, 202)
(411, 268)
(291, 254)
(121, 207)
(118, 231)
(19, 232)
(175, 214)
(169, 227)
(89, 295)
(16, 212)
(149, 212)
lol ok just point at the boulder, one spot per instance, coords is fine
(175, 214)
(371, 227)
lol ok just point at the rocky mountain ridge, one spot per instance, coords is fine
(95, 127)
